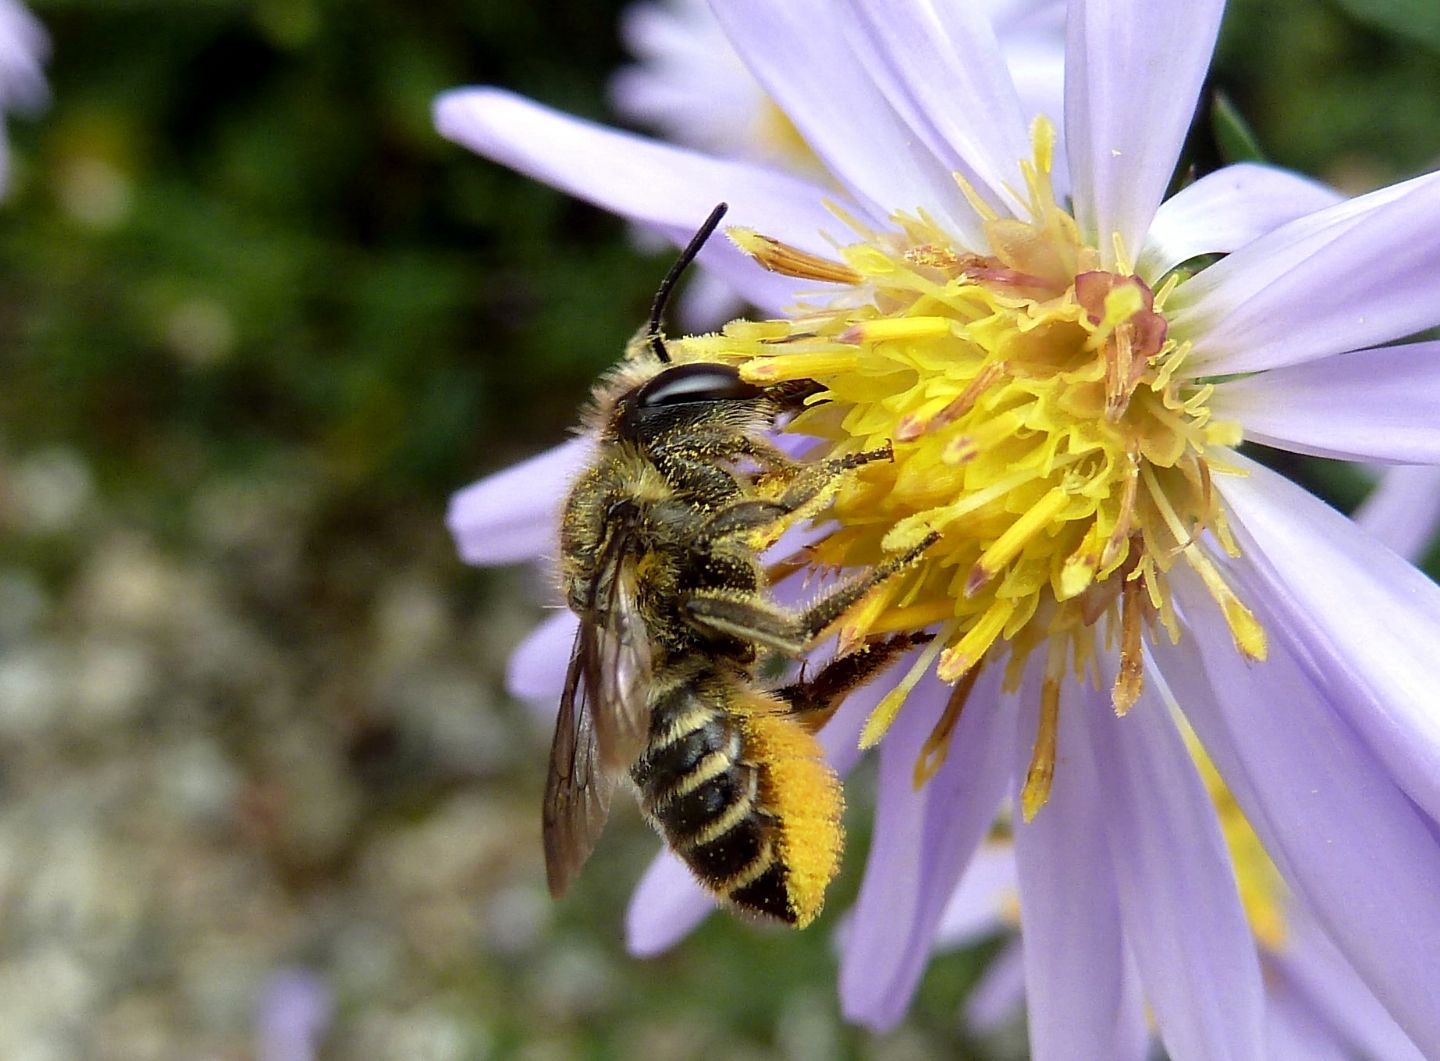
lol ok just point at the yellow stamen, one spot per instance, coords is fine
(1036, 791)
(1043, 421)
(886, 710)
(782, 258)
(1132, 663)
(937, 745)
(960, 660)
(1008, 545)
(887, 329)
(799, 366)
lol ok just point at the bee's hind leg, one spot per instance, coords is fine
(815, 700)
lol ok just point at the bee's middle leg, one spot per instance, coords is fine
(789, 631)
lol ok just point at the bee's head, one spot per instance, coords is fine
(682, 395)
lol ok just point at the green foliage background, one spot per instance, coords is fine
(238, 262)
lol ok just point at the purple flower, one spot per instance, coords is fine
(1316, 1004)
(1066, 397)
(689, 85)
(294, 1011)
(24, 48)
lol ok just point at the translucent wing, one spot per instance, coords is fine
(603, 717)
(578, 788)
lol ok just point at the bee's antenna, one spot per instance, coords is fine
(662, 297)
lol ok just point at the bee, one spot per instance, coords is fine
(661, 540)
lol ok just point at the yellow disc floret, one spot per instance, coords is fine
(1041, 425)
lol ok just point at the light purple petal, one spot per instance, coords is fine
(668, 189)
(925, 58)
(1356, 851)
(295, 1011)
(666, 906)
(1321, 976)
(1370, 405)
(1083, 995)
(1403, 511)
(535, 671)
(975, 907)
(1178, 899)
(512, 516)
(922, 841)
(1359, 274)
(24, 50)
(1368, 622)
(1133, 70)
(999, 994)
(1037, 64)
(707, 303)
(800, 52)
(1225, 210)
(1295, 1032)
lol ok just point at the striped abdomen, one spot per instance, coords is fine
(739, 791)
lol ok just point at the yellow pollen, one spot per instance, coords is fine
(1043, 426)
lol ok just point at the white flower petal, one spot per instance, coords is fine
(1225, 210)
(1133, 70)
(1354, 848)
(1370, 405)
(1178, 899)
(1358, 274)
(922, 841)
(925, 58)
(799, 51)
(1081, 986)
(1368, 621)
(668, 189)
(1403, 511)
(513, 515)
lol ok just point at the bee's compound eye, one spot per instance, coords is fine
(702, 382)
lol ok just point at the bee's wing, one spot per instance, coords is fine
(578, 787)
(622, 675)
(603, 719)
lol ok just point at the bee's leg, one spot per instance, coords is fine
(807, 484)
(804, 482)
(702, 463)
(692, 471)
(783, 629)
(816, 699)
(741, 518)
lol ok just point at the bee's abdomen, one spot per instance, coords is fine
(705, 790)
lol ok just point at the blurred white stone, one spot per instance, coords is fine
(50, 490)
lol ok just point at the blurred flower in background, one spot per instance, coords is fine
(24, 49)
(875, 97)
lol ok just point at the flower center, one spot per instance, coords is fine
(1040, 426)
